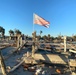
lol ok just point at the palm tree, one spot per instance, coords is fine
(2, 31)
(11, 32)
(17, 32)
(41, 33)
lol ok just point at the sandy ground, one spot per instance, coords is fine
(13, 60)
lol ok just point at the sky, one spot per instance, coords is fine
(18, 14)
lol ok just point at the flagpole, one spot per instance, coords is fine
(33, 22)
(33, 46)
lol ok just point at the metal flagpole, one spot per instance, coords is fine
(33, 22)
(33, 45)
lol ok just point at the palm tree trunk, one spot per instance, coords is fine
(2, 35)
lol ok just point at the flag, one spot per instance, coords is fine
(40, 21)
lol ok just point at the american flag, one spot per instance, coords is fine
(40, 21)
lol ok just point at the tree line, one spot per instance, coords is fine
(44, 37)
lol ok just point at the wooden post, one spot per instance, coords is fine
(15, 67)
(21, 43)
(2, 65)
(33, 46)
(17, 41)
(64, 43)
(33, 50)
(36, 46)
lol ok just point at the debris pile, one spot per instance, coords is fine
(42, 69)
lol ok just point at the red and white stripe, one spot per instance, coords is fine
(40, 21)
